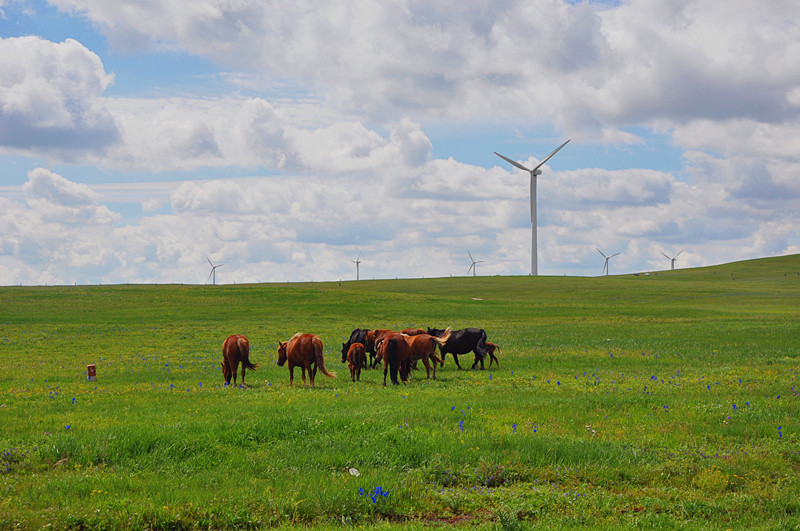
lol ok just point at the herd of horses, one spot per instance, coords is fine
(398, 351)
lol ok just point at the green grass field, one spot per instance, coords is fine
(661, 401)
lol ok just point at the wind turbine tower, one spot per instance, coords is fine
(357, 262)
(672, 259)
(213, 275)
(472, 267)
(534, 173)
(605, 265)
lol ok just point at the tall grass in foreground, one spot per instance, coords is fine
(662, 401)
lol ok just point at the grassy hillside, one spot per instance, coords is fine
(661, 400)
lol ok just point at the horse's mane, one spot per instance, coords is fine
(298, 334)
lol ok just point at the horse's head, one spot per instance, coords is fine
(281, 353)
(345, 348)
(435, 332)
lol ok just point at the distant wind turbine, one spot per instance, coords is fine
(472, 267)
(534, 172)
(672, 259)
(213, 275)
(357, 262)
(605, 265)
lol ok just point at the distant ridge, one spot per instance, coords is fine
(767, 268)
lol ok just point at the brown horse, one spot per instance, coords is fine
(235, 348)
(423, 347)
(305, 351)
(413, 331)
(491, 348)
(398, 351)
(393, 350)
(373, 340)
(356, 359)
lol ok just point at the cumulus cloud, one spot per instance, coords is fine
(51, 98)
(594, 70)
(356, 163)
(65, 202)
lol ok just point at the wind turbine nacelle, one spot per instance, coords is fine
(537, 173)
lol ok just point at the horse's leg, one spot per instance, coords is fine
(455, 359)
(226, 371)
(243, 369)
(234, 369)
(385, 370)
(428, 368)
(291, 374)
(303, 368)
(477, 360)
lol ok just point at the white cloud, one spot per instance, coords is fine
(50, 98)
(62, 201)
(358, 170)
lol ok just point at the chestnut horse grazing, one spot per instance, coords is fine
(373, 341)
(235, 349)
(393, 350)
(356, 359)
(398, 351)
(304, 351)
(423, 347)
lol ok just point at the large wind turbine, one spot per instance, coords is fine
(605, 265)
(534, 172)
(672, 259)
(472, 267)
(213, 273)
(357, 262)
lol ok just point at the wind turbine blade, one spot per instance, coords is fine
(470, 256)
(613, 255)
(668, 257)
(601, 252)
(679, 252)
(550, 155)
(209, 261)
(471, 268)
(514, 162)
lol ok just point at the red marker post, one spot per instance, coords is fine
(91, 371)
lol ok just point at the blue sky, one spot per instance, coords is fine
(285, 139)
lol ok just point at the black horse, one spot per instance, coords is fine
(359, 335)
(463, 341)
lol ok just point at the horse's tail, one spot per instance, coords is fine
(244, 350)
(481, 349)
(436, 358)
(321, 358)
(442, 341)
(393, 358)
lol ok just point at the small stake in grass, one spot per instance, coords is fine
(91, 371)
